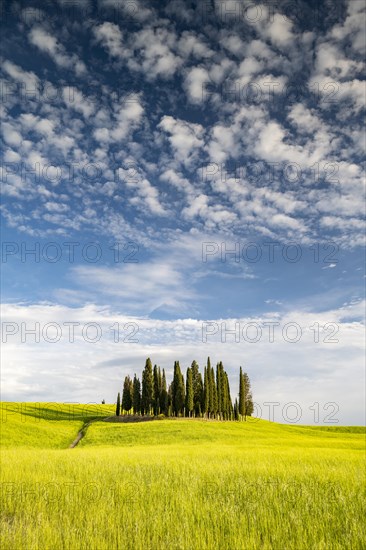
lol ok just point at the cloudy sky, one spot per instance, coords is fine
(179, 180)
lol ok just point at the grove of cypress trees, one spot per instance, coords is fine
(208, 397)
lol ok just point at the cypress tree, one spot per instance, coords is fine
(183, 391)
(236, 410)
(160, 388)
(147, 396)
(173, 386)
(248, 397)
(230, 409)
(118, 404)
(157, 390)
(127, 395)
(225, 393)
(210, 384)
(197, 389)
(170, 400)
(164, 395)
(136, 395)
(177, 390)
(222, 392)
(213, 393)
(189, 392)
(219, 390)
(241, 394)
(206, 392)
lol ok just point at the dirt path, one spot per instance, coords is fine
(82, 433)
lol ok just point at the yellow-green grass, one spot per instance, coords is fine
(45, 425)
(185, 484)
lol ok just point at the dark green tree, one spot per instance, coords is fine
(189, 393)
(170, 400)
(127, 395)
(136, 395)
(206, 393)
(197, 389)
(229, 403)
(236, 410)
(219, 389)
(222, 404)
(164, 396)
(157, 389)
(178, 390)
(210, 384)
(118, 404)
(248, 396)
(241, 394)
(213, 394)
(147, 396)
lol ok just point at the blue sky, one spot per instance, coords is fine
(175, 165)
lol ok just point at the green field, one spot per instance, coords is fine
(177, 483)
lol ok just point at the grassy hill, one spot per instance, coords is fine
(177, 484)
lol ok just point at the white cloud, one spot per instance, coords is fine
(331, 62)
(77, 101)
(156, 48)
(111, 37)
(353, 27)
(186, 138)
(47, 43)
(147, 196)
(276, 28)
(145, 286)
(196, 82)
(11, 135)
(129, 11)
(177, 179)
(223, 144)
(28, 78)
(127, 117)
(191, 45)
(280, 31)
(56, 207)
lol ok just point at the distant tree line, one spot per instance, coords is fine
(208, 397)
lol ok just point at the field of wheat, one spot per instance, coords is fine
(177, 483)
